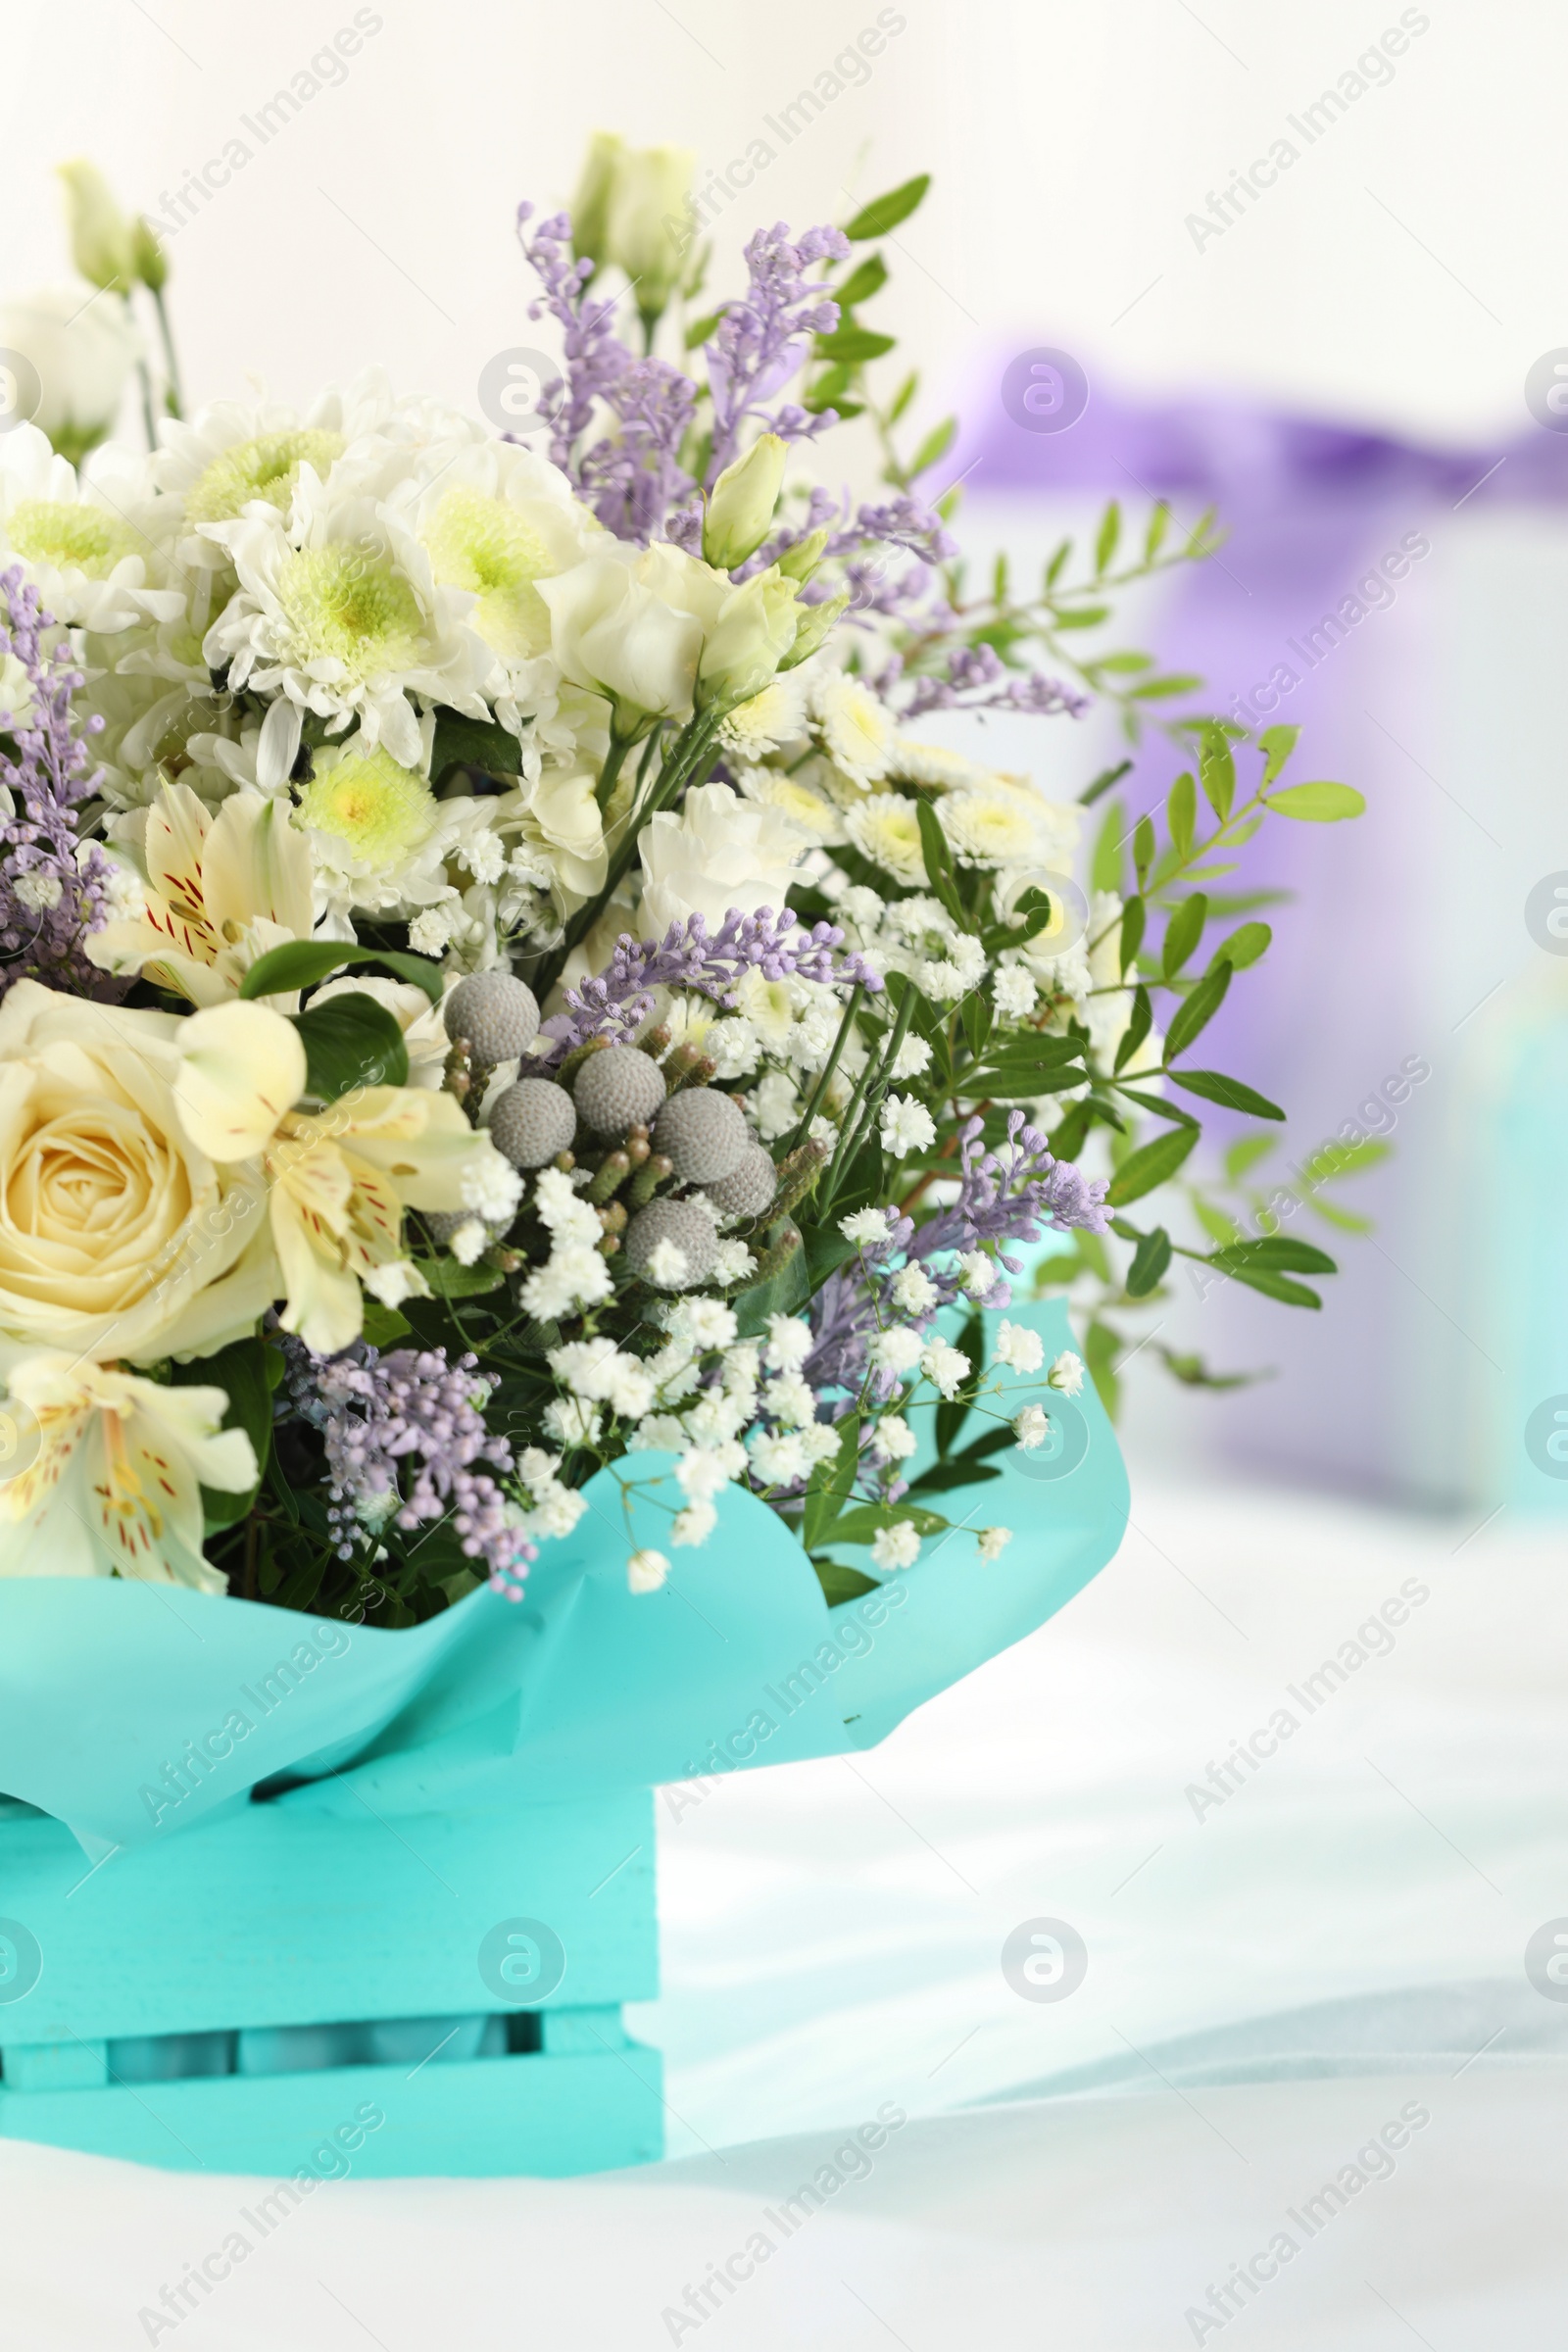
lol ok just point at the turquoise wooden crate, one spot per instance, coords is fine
(268, 1851)
(252, 1995)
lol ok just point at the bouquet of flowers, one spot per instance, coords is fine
(498, 985)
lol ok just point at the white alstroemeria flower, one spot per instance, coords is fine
(856, 731)
(338, 612)
(114, 1488)
(719, 854)
(218, 893)
(338, 1179)
(84, 545)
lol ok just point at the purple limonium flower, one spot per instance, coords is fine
(1007, 1194)
(689, 955)
(765, 339)
(403, 1434)
(53, 886)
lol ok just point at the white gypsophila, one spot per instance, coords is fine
(813, 1035)
(492, 1186)
(646, 1570)
(791, 1399)
(733, 1046)
(1067, 1373)
(866, 1226)
(810, 812)
(993, 1541)
(912, 1059)
(770, 719)
(667, 1265)
(978, 1273)
(1031, 1427)
(693, 1525)
(776, 1105)
(942, 981)
(705, 1322)
(339, 612)
(572, 1421)
(469, 1242)
(1013, 991)
(704, 1471)
(912, 1289)
(778, 1456)
(896, 1441)
(573, 1276)
(896, 1351)
(886, 830)
(946, 1367)
(856, 731)
(656, 1433)
(37, 892)
(82, 541)
(555, 1512)
(1020, 1349)
(717, 1417)
(790, 1340)
(896, 1546)
(907, 1126)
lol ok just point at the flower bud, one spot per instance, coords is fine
(590, 207)
(101, 238)
(813, 628)
(648, 229)
(750, 640)
(148, 257)
(740, 506)
(797, 563)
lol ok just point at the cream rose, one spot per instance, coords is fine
(721, 853)
(119, 1237)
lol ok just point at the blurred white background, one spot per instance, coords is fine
(1405, 271)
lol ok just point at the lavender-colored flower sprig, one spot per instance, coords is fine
(763, 339)
(1007, 1195)
(632, 478)
(977, 671)
(412, 1411)
(689, 955)
(51, 885)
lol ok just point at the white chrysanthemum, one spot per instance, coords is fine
(885, 831)
(1061, 823)
(856, 731)
(813, 811)
(932, 763)
(338, 612)
(776, 716)
(234, 454)
(992, 828)
(84, 544)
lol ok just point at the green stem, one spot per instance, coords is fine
(173, 396)
(619, 746)
(803, 1125)
(852, 1136)
(148, 427)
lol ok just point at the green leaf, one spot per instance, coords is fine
(472, 742)
(1181, 815)
(301, 962)
(1106, 867)
(1149, 1261)
(1182, 933)
(827, 390)
(939, 862)
(383, 1326)
(1160, 690)
(1154, 536)
(786, 1288)
(1067, 1139)
(832, 1485)
(1244, 947)
(1161, 1106)
(1053, 572)
(1278, 1249)
(1348, 1221)
(1151, 1165)
(855, 344)
(1102, 1347)
(1274, 1286)
(449, 1280)
(1132, 917)
(959, 1470)
(1121, 665)
(1106, 542)
(1319, 804)
(860, 1526)
(1245, 1153)
(841, 1584)
(1138, 1026)
(954, 1411)
(1276, 745)
(349, 1043)
(902, 397)
(701, 328)
(1197, 1010)
(884, 212)
(1344, 1159)
(1143, 850)
(863, 282)
(936, 444)
(242, 1371)
(1217, 770)
(1082, 616)
(1230, 1092)
(1103, 783)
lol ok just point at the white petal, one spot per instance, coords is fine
(242, 1068)
(279, 746)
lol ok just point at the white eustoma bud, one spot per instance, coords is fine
(741, 505)
(102, 239)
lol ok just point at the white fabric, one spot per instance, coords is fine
(1267, 1987)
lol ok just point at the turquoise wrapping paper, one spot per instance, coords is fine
(130, 1710)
